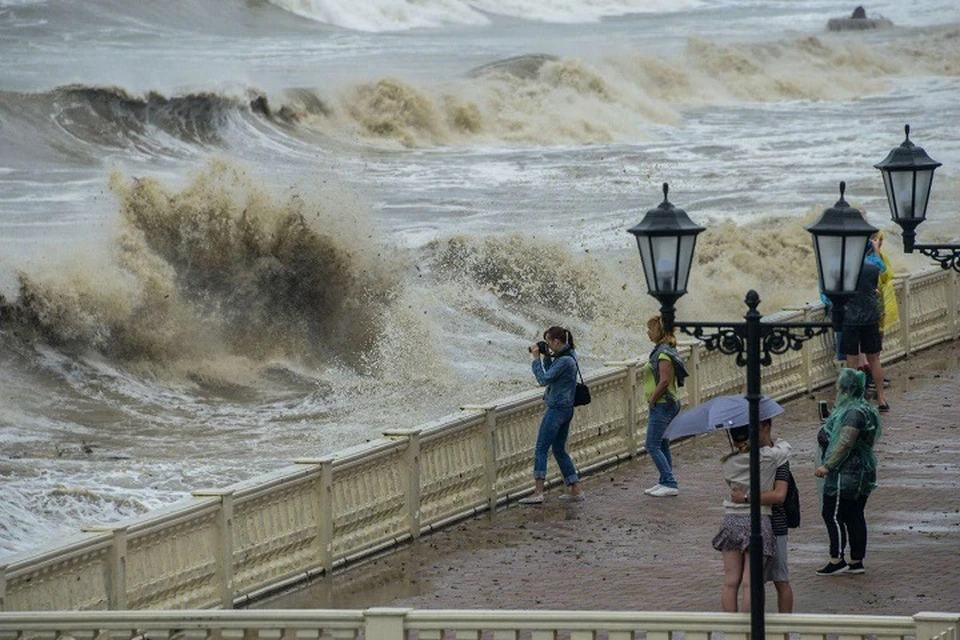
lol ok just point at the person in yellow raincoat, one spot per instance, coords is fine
(889, 311)
(889, 314)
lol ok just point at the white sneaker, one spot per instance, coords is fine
(650, 491)
(665, 491)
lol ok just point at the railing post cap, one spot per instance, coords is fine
(320, 460)
(211, 493)
(622, 363)
(103, 528)
(936, 615)
(387, 611)
(401, 433)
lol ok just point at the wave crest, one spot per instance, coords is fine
(112, 116)
(539, 99)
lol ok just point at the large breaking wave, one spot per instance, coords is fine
(529, 99)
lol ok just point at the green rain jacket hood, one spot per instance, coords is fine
(856, 475)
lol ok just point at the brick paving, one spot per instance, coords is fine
(623, 550)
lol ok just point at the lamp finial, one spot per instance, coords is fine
(666, 190)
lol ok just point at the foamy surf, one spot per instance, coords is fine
(399, 15)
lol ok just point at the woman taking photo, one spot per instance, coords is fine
(660, 390)
(555, 367)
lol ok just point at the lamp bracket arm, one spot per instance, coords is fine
(730, 338)
(783, 337)
(947, 255)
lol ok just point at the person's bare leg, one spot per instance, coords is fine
(732, 574)
(876, 370)
(784, 597)
(745, 582)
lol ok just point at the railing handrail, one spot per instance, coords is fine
(394, 623)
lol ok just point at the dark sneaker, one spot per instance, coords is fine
(856, 567)
(886, 383)
(833, 568)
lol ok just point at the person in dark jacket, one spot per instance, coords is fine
(849, 471)
(861, 326)
(555, 367)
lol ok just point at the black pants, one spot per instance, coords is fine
(845, 521)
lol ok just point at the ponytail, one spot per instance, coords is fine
(561, 334)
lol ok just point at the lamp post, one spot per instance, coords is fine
(666, 238)
(907, 176)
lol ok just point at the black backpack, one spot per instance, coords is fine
(791, 504)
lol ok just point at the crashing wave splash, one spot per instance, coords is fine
(218, 269)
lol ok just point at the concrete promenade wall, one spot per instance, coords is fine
(228, 544)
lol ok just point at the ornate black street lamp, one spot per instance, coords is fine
(907, 175)
(666, 238)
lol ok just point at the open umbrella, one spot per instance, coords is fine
(722, 412)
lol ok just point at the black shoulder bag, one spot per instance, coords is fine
(581, 394)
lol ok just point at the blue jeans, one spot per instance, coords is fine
(658, 447)
(554, 429)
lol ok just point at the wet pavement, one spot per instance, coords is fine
(623, 550)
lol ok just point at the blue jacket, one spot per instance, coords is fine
(559, 375)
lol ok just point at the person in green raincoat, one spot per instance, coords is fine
(849, 471)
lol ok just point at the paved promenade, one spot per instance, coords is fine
(623, 550)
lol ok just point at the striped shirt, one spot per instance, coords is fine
(778, 516)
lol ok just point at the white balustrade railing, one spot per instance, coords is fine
(226, 545)
(410, 624)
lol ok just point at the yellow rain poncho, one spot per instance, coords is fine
(889, 312)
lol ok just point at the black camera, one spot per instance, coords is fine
(542, 347)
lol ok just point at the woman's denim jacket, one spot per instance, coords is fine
(559, 375)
